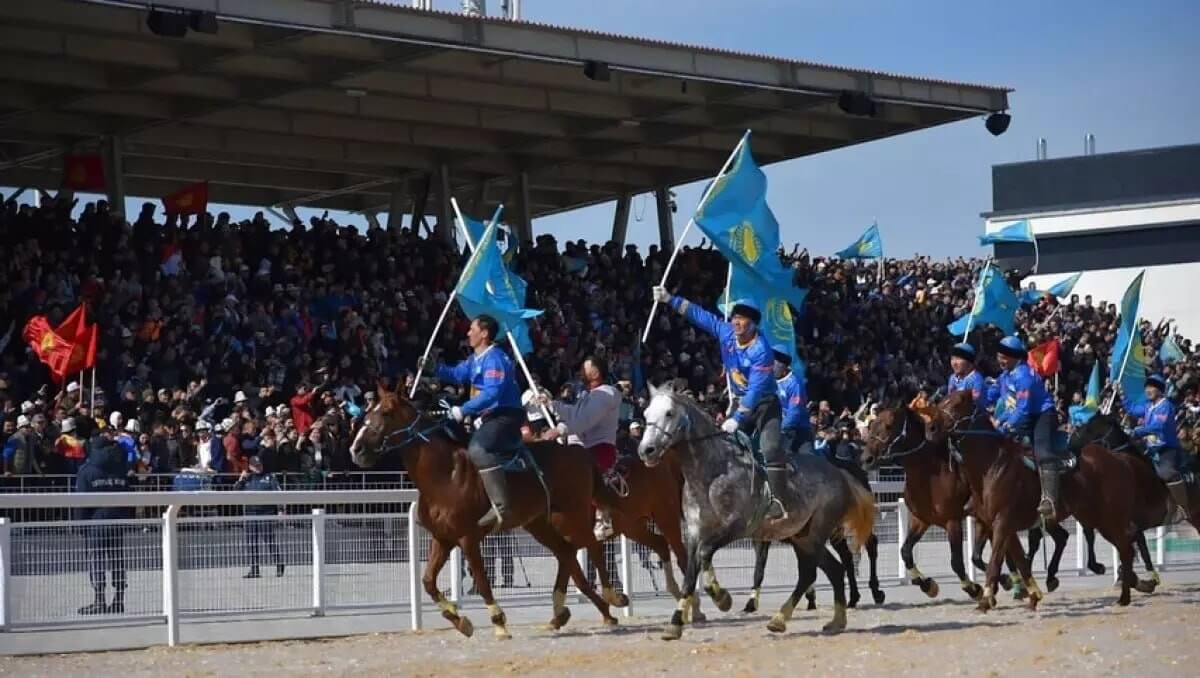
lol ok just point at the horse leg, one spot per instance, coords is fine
(1153, 582)
(640, 532)
(607, 592)
(851, 577)
(1000, 535)
(916, 530)
(873, 556)
(984, 533)
(720, 596)
(834, 571)
(674, 629)
(806, 574)
(1024, 571)
(568, 567)
(1125, 570)
(954, 535)
(1095, 566)
(483, 582)
(439, 552)
(761, 550)
(1060, 536)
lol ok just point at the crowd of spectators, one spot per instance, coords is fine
(222, 340)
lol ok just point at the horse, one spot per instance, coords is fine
(725, 498)
(1005, 492)
(653, 493)
(557, 514)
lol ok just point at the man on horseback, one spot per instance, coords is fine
(963, 376)
(749, 360)
(496, 402)
(1029, 412)
(1157, 429)
(793, 398)
(593, 419)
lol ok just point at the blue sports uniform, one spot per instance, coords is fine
(495, 399)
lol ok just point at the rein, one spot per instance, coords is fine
(413, 432)
(888, 453)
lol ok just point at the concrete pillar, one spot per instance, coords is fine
(479, 202)
(420, 200)
(373, 220)
(666, 220)
(520, 215)
(114, 174)
(621, 219)
(445, 212)
(395, 214)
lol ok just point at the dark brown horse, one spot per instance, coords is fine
(1005, 492)
(654, 494)
(452, 499)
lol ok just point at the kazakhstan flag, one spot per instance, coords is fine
(1170, 351)
(1127, 363)
(1018, 231)
(868, 246)
(995, 304)
(488, 287)
(1081, 414)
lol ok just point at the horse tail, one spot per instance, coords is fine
(859, 519)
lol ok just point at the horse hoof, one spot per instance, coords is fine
(1020, 594)
(930, 588)
(1146, 585)
(502, 633)
(1051, 584)
(833, 627)
(610, 621)
(853, 601)
(1006, 582)
(698, 617)
(777, 624)
(1097, 568)
(616, 599)
(879, 596)
(973, 591)
(722, 600)
(560, 619)
(987, 603)
(1123, 601)
(464, 626)
(812, 604)
(672, 632)
(751, 607)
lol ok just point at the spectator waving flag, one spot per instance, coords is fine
(1044, 359)
(995, 304)
(1127, 363)
(1062, 289)
(1081, 414)
(1170, 351)
(1018, 231)
(488, 287)
(735, 216)
(868, 246)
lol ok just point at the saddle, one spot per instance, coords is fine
(1061, 446)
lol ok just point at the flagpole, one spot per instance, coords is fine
(978, 291)
(1036, 256)
(1124, 362)
(92, 409)
(688, 228)
(462, 226)
(728, 375)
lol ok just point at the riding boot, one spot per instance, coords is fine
(604, 527)
(777, 479)
(495, 483)
(118, 603)
(1049, 505)
(1179, 494)
(97, 606)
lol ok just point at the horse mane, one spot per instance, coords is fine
(694, 410)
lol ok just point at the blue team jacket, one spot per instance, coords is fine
(493, 381)
(793, 397)
(1156, 423)
(972, 382)
(1025, 397)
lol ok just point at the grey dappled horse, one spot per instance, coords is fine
(725, 499)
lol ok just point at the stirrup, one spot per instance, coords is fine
(775, 501)
(603, 529)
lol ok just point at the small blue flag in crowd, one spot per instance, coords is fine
(1127, 363)
(1081, 414)
(488, 287)
(868, 246)
(1171, 352)
(1062, 289)
(1019, 231)
(995, 304)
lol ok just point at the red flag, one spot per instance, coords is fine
(83, 173)
(52, 349)
(1044, 358)
(189, 200)
(76, 330)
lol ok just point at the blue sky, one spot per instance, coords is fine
(1125, 72)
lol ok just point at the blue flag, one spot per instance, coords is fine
(1018, 231)
(475, 228)
(1170, 351)
(868, 246)
(1081, 414)
(1062, 289)
(1031, 297)
(777, 317)
(488, 287)
(735, 216)
(995, 304)
(1127, 363)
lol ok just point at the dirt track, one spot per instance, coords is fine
(1076, 632)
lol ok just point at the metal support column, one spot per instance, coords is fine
(666, 220)
(114, 174)
(621, 219)
(445, 213)
(420, 200)
(395, 214)
(520, 215)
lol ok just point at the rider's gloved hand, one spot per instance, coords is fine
(562, 430)
(661, 295)
(730, 425)
(456, 414)
(422, 363)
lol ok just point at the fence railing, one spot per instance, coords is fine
(176, 567)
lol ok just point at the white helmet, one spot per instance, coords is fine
(134, 426)
(115, 420)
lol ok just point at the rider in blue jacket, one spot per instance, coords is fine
(793, 398)
(1157, 429)
(749, 361)
(1029, 413)
(963, 376)
(496, 402)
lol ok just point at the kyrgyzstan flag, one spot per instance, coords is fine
(1043, 358)
(83, 173)
(50, 348)
(82, 336)
(189, 200)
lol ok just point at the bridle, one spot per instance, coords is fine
(1110, 431)
(684, 424)
(414, 430)
(889, 451)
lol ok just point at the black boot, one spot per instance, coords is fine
(1179, 494)
(777, 479)
(97, 606)
(279, 570)
(1050, 475)
(118, 603)
(495, 483)
(252, 574)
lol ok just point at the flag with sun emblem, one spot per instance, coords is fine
(868, 246)
(995, 304)
(488, 287)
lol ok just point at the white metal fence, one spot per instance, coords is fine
(349, 551)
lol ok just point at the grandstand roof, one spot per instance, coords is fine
(337, 104)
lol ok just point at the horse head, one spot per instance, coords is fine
(896, 432)
(1102, 429)
(667, 420)
(382, 422)
(948, 417)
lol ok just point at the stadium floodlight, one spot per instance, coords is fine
(203, 22)
(856, 103)
(997, 123)
(167, 24)
(597, 70)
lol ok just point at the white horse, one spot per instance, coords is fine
(725, 498)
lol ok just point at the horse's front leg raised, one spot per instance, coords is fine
(916, 530)
(439, 552)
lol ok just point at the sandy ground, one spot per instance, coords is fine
(1077, 632)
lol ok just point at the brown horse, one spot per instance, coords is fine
(934, 491)
(654, 494)
(452, 499)
(1005, 492)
